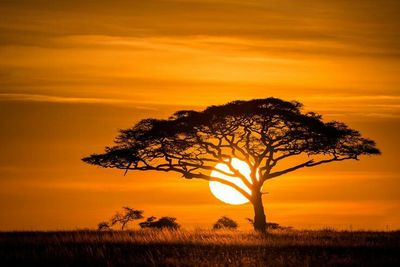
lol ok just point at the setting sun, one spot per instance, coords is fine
(226, 193)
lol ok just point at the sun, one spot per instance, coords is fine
(226, 193)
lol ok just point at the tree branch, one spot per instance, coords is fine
(309, 163)
(279, 173)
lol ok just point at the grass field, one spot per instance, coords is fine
(199, 248)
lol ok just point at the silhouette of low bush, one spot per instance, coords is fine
(271, 225)
(103, 226)
(225, 223)
(162, 223)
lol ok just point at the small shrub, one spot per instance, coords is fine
(103, 226)
(271, 225)
(162, 223)
(225, 223)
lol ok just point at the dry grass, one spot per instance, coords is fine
(200, 248)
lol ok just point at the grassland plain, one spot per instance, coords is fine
(200, 248)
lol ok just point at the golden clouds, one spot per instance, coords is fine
(236, 49)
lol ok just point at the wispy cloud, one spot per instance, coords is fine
(70, 100)
(352, 98)
(57, 99)
(364, 27)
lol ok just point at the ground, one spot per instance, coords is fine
(200, 248)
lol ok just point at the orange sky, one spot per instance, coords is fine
(73, 73)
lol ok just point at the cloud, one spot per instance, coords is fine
(366, 27)
(56, 99)
(361, 106)
(69, 100)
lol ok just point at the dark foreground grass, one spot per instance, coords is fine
(199, 248)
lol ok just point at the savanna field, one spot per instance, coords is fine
(200, 248)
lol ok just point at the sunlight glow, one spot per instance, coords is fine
(226, 193)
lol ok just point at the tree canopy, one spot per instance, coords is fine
(261, 132)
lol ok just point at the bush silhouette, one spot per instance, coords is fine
(225, 223)
(163, 222)
(103, 226)
(271, 225)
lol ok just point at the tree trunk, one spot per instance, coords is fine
(260, 223)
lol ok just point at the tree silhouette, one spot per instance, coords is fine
(262, 132)
(129, 214)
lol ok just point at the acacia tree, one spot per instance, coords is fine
(124, 218)
(263, 132)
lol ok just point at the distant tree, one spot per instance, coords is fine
(163, 222)
(103, 226)
(128, 214)
(262, 132)
(225, 223)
